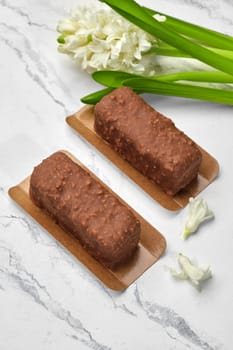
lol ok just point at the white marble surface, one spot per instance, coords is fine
(48, 300)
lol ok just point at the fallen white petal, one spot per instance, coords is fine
(190, 271)
(198, 212)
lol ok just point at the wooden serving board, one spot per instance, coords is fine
(83, 122)
(151, 246)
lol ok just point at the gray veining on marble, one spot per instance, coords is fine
(212, 8)
(21, 13)
(168, 318)
(34, 57)
(30, 285)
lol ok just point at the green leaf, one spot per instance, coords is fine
(137, 15)
(204, 35)
(112, 78)
(95, 97)
(180, 90)
(168, 50)
(200, 76)
(115, 79)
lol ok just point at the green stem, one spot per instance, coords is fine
(186, 234)
(137, 15)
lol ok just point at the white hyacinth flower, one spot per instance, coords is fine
(198, 212)
(190, 271)
(99, 39)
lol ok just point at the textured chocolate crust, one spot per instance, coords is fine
(149, 141)
(82, 206)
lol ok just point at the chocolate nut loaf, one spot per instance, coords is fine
(81, 205)
(149, 141)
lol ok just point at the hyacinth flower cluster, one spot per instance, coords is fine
(126, 37)
(97, 38)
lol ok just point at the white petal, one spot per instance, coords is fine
(198, 212)
(99, 60)
(160, 18)
(181, 275)
(189, 271)
(66, 25)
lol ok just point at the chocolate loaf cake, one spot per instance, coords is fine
(149, 141)
(81, 205)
